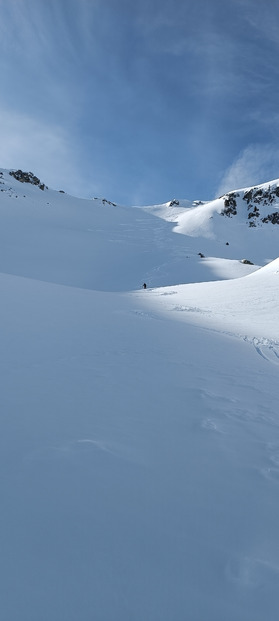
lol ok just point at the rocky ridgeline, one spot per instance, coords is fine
(27, 177)
(104, 201)
(258, 202)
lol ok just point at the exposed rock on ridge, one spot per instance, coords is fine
(257, 201)
(27, 177)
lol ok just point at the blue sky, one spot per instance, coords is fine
(140, 101)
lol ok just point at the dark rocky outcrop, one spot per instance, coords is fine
(257, 201)
(27, 177)
(272, 217)
(252, 215)
(106, 202)
(261, 196)
(230, 205)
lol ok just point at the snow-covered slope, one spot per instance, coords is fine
(139, 442)
(94, 244)
(224, 222)
(246, 306)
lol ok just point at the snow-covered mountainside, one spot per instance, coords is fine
(118, 248)
(139, 429)
(256, 208)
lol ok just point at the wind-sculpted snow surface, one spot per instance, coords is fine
(139, 430)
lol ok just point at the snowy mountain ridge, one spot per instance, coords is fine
(254, 203)
(255, 206)
(261, 202)
(234, 227)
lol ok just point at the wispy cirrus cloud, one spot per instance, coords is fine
(43, 148)
(111, 84)
(255, 164)
(260, 17)
(38, 27)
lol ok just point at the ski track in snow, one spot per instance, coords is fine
(191, 309)
(268, 350)
(144, 315)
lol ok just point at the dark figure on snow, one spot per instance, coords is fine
(144, 285)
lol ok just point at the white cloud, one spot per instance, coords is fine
(41, 148)
(256, 164)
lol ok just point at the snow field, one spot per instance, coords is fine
(139, 442)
